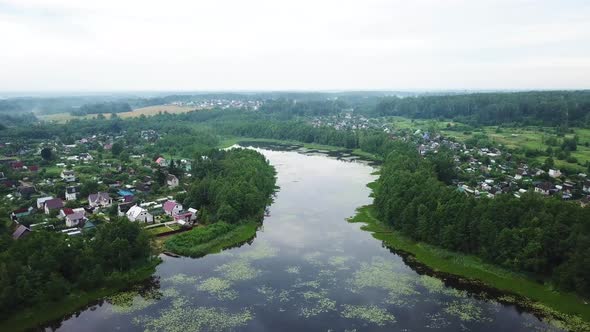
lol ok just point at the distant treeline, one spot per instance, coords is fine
(551, 108)
(548, 237)
(102, 108)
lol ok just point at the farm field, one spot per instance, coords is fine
(147, 111)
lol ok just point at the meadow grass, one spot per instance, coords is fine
(234, 236)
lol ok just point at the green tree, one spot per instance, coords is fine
(46, 153)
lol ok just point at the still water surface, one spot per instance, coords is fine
(306, 270)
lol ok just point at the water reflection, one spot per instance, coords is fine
(307, 269)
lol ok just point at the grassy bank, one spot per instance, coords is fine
(563, 309)
(209, 239)
(45, 312)
(229, 141)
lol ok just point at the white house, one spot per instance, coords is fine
(71, 193)
(171, 181)
(75, 219)
(137, 213)
(554, 173)
(172, 208)
(100, 199)
(586, 187)
(68, 176)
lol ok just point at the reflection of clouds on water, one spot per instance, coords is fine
(308, 270)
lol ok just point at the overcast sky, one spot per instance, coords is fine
(110, 45)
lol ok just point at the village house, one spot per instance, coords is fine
(100, 199)
(68, 175)
(21, 212)
(162, 162)
(71, 193)
(520, 173)
(20, 232)
(186, 216)
(41, 201)
(172, 208)
(544, 188)
(554, 173)
(65, 212)
(53, 204)
(586, 186)
(75, 219)
(122, 208)
(25, 191)
(85, 157)
(137, 213)
(171, 181)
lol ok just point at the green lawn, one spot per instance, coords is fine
(565, 309)
(204, 240)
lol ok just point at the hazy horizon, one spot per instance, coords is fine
(57, 46)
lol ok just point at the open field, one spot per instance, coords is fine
(147, 111)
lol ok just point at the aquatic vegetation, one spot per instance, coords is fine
(238, 270)
(313, 258)
(318, 303)
(293, 269)
(128, 302)
(268, 292)
(219, 288)
(436, 286)
(328, 276)
(182, 318)
(436, 321)
(339, 262)
(170, 292)
(381, 273)
(368, 313)
(466, 310)
(260, 250)
(284, 296)
(307, 284)
(182, 278)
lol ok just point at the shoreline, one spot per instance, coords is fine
(243, 233)
(562, 310)
(228, 141)
(45, 313)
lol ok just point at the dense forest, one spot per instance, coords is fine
(547, 237)
(231, 185)
(46, 266)
(231, 188)
(552, 108)
(102, 108)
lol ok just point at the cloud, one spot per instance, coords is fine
(304, 44)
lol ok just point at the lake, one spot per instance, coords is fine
(307, 269)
